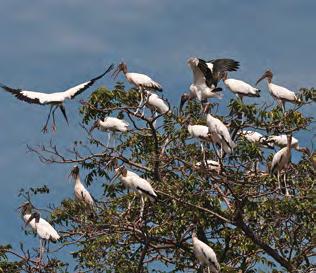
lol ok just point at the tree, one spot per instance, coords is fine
(238, 210)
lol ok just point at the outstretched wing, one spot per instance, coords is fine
(206, 71)
(28, 96)
(78, 89)
(222, 65)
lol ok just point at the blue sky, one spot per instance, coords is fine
(51, 45)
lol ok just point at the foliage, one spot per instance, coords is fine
(238, 211)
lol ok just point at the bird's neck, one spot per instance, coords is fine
(77, 180)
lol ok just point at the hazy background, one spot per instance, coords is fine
(52, 45)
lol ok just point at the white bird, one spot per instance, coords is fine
(136, 183)
(141, 81)
(281, 161)
(198, 131)
(43, 229)
(205, 254)
(281, 141)
(240, 88)
(55, 100)
(155, 103)
(206, 75)
(279, 93)
(80, 191)
(255, 137)
(110, 125)
(210, 164)
(220, 134)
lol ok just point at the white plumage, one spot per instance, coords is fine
(205, 254)
(155, 103)
(111, 124)
(281, 161)
(141, 81)
(279, 93)
(80, 191)
(43, 229)
(252, 136)
(56, 99)
(211, 165)
(240, 88)
(136, 183)
(220, 134)
(198, 131)
(206, 75)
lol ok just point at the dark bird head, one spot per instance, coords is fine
(35, 215)
(184, 98)
(121, 67)
(266, 75)
(96, 124)
(193, 61)
(74, 172)
(26, 208)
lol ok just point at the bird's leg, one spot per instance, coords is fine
(141, 100)
(279, 180)
(208, 269)
(109, 138)
(204, 157)
(114, 138)
(44, 130)
(54, 123)
(286, 189)
(155, 115)
(142, 207)
(41, 251)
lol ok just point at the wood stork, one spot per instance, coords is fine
(255, 137)
(281, 160)
(110, 125)
(136, 183)
(281, 141)
(210, 165)
(43, 229)
(155, 103)
(200, 132)
(205, 254)
(220, 134)
(240, 88)
(206, 75)
(55, 100)
(80, 191)
(141, 81)
(279, 93)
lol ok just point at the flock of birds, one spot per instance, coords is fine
(206, 76)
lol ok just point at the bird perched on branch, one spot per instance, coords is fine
(281, 160)
(220, 134)
(80, 191)
(240, 88)
(205, 254)
(110, 125)
(140, 81)
(43, 229)
(279, 93)
(206, 76)
(55, 100)
(281, 141)
(136, 183)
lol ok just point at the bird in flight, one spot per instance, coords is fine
(55, 100)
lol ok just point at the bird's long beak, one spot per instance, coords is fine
(116, 72)
(35, 216)
(260, 79)
(95, 125)
(118, 172)
(63, 110)
(74, 172)
(184, 99)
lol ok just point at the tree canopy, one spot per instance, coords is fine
(237, 208)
